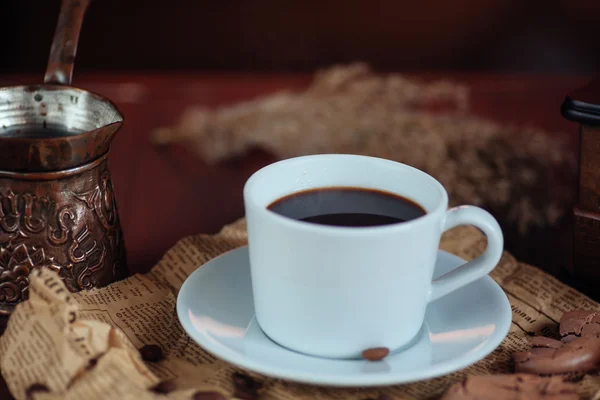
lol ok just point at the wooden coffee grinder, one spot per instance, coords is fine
(583, 106)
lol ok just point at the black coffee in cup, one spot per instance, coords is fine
(347, 206)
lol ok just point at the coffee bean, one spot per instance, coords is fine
(375, 353)
(246, 388)
(151, 352)
(164, 387)
(208, 396)
(36, 387)
(245, 395)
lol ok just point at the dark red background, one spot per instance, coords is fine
(300, 35)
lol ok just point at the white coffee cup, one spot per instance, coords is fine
(335, 291)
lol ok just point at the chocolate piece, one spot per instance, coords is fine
(574, 358)
(568, 338)
(541, 341)
(36, 387)
(376, 353)
(151, 352)
(580, 323)
(246, 388)
(511, 387)
(591, 329)
(208, 396)
(536, 352)
(164, 387)
(380, 397)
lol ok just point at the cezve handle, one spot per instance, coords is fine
(64, 43)
(480, 266)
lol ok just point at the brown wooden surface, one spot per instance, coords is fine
(166, 193)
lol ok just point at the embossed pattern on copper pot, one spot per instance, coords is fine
(57, 205)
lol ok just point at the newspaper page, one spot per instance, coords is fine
(84, 345)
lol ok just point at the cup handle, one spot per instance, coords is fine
(480, 266)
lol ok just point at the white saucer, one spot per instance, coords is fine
(215, 307)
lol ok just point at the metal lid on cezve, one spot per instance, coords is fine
(583, 105)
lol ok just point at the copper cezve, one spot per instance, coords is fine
(57, 205)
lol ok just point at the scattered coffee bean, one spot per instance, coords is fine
(376, 353)
(151, 353)
(245, 395)
(208, 396)
(246, 388)
(164, 387)
(380, 397)
(36, 387)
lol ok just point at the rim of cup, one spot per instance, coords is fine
(251, 202)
